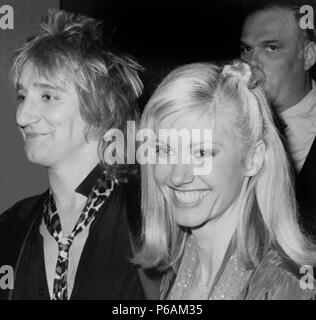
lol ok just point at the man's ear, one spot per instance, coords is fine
(255, 159)
(309, 55)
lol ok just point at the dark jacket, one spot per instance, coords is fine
(120, 280)
(306, 192)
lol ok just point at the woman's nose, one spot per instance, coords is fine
(181, 174)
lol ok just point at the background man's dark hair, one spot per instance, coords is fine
(252, 6)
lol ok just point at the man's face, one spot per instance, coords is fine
(49, 119)
(271, 40)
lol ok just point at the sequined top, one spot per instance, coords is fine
(273, 279)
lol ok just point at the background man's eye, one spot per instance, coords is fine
(272, 48)
(245, 49)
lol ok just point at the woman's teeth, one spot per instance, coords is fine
(190, 196)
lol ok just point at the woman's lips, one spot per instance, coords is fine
(191, 197)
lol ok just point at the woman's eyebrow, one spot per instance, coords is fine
(204, 142)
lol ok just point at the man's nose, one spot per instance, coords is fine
(181, 174)
(27, 113)
(253, 58)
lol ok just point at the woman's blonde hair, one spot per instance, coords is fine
(268, 215)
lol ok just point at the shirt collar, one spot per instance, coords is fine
(304, 107)
(88, 183)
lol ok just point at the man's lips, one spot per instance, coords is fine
(32, 135)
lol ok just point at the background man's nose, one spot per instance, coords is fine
(253, 58)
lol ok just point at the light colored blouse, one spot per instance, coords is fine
(273, 279)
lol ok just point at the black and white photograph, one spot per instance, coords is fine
(161, 152)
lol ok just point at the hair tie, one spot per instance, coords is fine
(250, 76)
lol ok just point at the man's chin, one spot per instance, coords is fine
(39, 159)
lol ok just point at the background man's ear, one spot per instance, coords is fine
(309, 55)
(256, 159)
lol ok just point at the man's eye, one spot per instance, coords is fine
(271, 48)
(245, 49)
(48, 97)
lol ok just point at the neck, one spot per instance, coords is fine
(298, 93)
(63, 181)
(213, 240)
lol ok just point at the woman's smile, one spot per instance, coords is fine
(189, 197)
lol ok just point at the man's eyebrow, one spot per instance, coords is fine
(244, 43)
(263, 43)
(267, 42)
(42, 85)
(50, 86)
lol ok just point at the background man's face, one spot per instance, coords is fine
(49, 119)
(271, 40)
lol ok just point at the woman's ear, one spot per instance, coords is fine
(309, 55)
(255, 159)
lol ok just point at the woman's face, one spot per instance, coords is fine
(197, 198)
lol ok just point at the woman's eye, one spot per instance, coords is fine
(162, 150)
(202, 153)
(205, 153)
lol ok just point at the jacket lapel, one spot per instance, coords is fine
(306, 191)
(18, 228)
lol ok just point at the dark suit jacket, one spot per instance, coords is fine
(16, 226)
(306, 192)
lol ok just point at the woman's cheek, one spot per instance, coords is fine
(161, 173)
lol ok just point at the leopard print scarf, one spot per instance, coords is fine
(97, 197)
